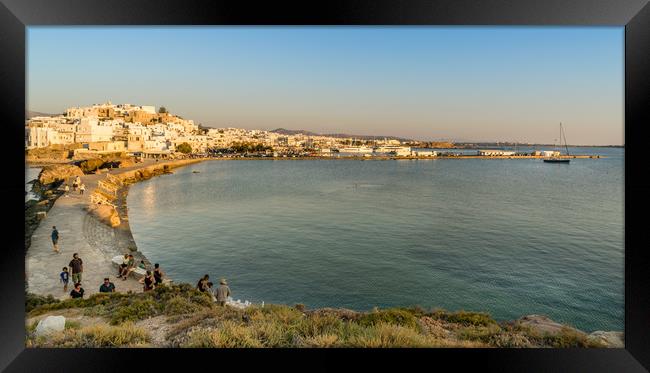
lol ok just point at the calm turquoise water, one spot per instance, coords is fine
(511, 237)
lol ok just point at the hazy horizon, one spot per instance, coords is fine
(479, 84)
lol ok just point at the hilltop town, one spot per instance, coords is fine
(146, 132)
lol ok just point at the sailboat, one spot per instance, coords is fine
(558, 159)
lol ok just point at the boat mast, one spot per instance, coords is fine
(565, 144)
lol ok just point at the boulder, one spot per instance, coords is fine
(50, 324)
(125, 162)
(544, 325)
(58, 172)
(106, 214)
(608, 339)
(91, 165)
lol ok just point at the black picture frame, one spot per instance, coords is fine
(16, 15)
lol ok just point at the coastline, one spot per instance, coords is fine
(83, 232)
(107, 241)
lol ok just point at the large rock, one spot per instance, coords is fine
(544, 325)
(92, 164)
(608, 339)
(59, 172)
(106, 214)
(50, 324)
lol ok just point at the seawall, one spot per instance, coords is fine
(83, 231)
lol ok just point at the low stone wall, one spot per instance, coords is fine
(104, 197)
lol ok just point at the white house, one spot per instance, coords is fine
(90, 130)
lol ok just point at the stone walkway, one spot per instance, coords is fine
(82, 233)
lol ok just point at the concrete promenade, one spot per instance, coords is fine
(81, 232)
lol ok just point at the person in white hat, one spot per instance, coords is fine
(223, 292)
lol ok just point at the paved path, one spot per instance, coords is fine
(82, 233)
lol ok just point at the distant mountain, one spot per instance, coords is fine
(283, 131)
(30, 114)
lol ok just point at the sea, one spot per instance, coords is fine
(510, 237)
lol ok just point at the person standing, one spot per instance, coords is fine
(107, 286)
(55, 239)
(223, 292)
(66, 189)
(76, 266)
(82, 187)
(65, 277)
(77, 292)
(157, 274)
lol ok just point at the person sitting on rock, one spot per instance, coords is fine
(148, 282)
(202, 285)
(77, 292)
(211, 291)
(130, 267)
(142, 265)
(124, 264)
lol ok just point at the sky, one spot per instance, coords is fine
(430, 83)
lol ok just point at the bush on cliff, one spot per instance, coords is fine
(391, 316)
(33, 301)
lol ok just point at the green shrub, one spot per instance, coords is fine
(390, 316)
(184, 148)
(33, 301)
(567, 338)
(469, 318)
(179, 305)
(71, 324)
(138, 309)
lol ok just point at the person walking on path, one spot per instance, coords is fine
(107, 286)
(65, 277)
(157, 274)
(77, 292)
(223, 292)
(82, 187)
(55, 239)
(76, 265)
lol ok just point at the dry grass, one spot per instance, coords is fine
(125, 335)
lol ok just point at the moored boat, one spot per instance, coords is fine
(557, 159)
